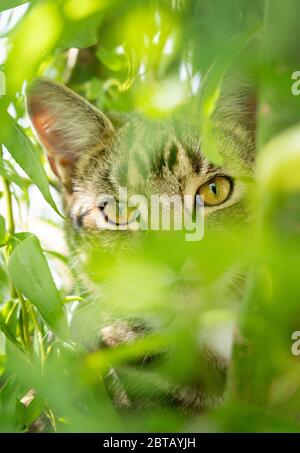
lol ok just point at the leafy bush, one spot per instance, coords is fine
(156, 57)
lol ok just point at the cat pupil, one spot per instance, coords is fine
(213, 188)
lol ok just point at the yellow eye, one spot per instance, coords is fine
(216, 191)
(116, 213)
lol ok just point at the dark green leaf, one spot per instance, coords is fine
(30, 273)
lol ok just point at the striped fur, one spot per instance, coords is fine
(93, 154)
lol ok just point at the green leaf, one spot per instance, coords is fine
(64, 259)
(8, 4)
(81, 34)
(34, 410)
(17, 238)
(112, 60)
(9, 334)
(30, 273)
(2, 363)
(211, 89)
(22, 150)
(2, 229)
(8, 172)
(4, 284)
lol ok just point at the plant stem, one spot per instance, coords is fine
(14, 292)
(11, 225)
(25, 322)
(9, 208)
(69, 299)
(40, 333)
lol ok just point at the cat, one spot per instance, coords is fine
(94, 154)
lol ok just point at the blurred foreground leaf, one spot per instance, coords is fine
(8, 4)
(81, 34)
(211, 89)
(2, 229)
(263, 366)
(33, 37)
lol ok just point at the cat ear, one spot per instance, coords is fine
(65, 124)
(238, 101)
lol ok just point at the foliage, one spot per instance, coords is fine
(157, 57)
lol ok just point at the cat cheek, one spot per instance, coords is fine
(90, 221)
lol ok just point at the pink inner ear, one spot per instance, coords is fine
(53, 165)
(53, 140)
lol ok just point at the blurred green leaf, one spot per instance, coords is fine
(4, 281)
(30, 273)
(112, 60)
(180, 290)
(22, 150)
(2, 229)
(211, 89)
(35, 35)
(8, 4)
(279, 162)
(236, 417)
(2, 363)
(81, 34)
(17, 238)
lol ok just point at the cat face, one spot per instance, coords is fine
(95, 155)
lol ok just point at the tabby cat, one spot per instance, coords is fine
(94, 154)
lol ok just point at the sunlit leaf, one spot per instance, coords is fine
(22, 150)
(77, 10)
(279, 161)
(36, 34)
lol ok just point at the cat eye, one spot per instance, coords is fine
(116, 213)
(216, 191)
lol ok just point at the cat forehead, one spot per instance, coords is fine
(140, 153)
(162, 157)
